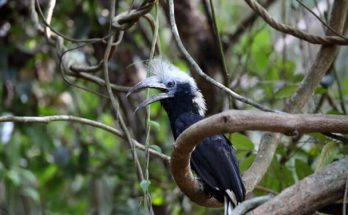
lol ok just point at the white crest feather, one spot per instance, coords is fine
(166, 71)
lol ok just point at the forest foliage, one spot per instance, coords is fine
(71, 168)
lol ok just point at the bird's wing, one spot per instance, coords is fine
(214, 161)
(184, 121)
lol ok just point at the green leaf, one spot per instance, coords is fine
(182, 66)
(245, 164)
(327, 155)
(154, 125)
(241, 142)
(157, 197)
(156, 147)
(144, 184)
(28, 176)
(302, 169)
(345, 86)
(261, 47)
(31, 193)
(106, 119)
(288, 66)
(278, 176)
(155, 107)
(30, 44)
(48, 173)
(2, 170)
(320, 91)
(14, 177)
(313, 151)
(272, 74)
(285, 92)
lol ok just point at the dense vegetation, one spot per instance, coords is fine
(65, 167)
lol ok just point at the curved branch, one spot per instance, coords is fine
(50, 9)
(55, 36)
(236, 121)
(313, 192)
(199, 71)
(245, 24)
(300, 98)
(126, 19)
(68, 118)
(98, 81)
(250, 204)
(267, 147)
(327, 40)
(323, 61)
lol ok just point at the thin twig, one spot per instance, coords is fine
(126, 19)
(322, 63)
(300, 98)
(98, 81)
(155, 26)
(148, 116)
(50, 9)
(340, 91)
(34, 16)
(250, 204)
(245, 24)
(219, 43)
(114, 101)
(265, 189)
(62, 35)
(199, 71)
(65, 63)
(68, 118)
(321, 21)
(85, 68)
(327, 40)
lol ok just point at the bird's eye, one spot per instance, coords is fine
(170, 84)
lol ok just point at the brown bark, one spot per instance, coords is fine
(300, 98)
(312, 193)
(236, 121)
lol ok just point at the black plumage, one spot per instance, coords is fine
(213, 160)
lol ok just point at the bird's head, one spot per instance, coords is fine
(179, 90)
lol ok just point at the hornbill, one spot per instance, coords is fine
(213, 160)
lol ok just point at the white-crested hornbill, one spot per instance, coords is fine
(213, 160)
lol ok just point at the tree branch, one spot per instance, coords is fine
(322, 63)
(313, 192)
(236, 121)
(98, 81)
(68, 118)
(199, 71)
(327, 40)
(300, 98)
(245, 24)
(250, 204)
(345, 195)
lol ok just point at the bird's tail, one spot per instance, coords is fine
(227, 206)
(230, 201)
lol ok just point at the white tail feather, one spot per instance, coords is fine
(228, 207)
(229, 201)
(232, 196)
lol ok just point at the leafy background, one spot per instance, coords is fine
(65, 168)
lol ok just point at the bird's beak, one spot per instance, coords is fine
(151, 82)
